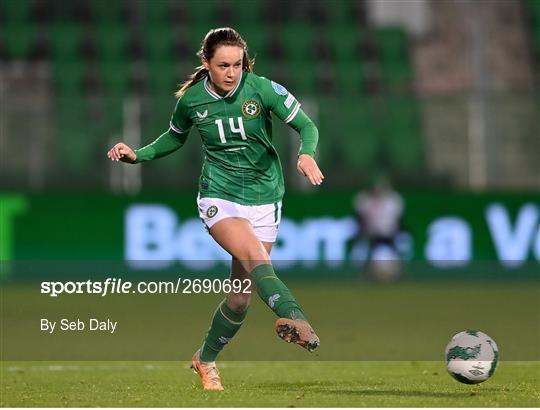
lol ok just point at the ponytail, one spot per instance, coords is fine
(198, 75)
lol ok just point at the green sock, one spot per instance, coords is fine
(275, 294)
(225, 324)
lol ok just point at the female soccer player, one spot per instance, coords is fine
(241, 183)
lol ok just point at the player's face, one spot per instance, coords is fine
(225, 68)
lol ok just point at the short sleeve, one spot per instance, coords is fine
(279, 100)
(180, 121)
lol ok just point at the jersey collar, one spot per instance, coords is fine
(216, 95)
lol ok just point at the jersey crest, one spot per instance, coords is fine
(251, 109)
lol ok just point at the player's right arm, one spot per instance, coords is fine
(122, 152)
(165, 144)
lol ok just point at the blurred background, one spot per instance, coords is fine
(433, 93)
(427, 110)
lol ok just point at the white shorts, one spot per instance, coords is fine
(264, 219)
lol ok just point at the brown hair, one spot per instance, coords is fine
(225, 36)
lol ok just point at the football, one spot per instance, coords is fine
(471, 357)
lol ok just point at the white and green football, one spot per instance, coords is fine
(471, 357)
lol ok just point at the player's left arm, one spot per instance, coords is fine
(309, 136)
(283, 104)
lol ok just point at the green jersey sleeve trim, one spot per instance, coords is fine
(165, 144)
(176, 129)
(309, 134)
(293, 113)
(180, 120)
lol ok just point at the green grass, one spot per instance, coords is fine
(263, 384)
(356, 321)
(382, 346)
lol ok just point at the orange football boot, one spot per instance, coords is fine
(208, 371)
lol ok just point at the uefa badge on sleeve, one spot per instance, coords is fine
(279, 89)
(251, 109)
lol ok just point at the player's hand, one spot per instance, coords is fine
(122, 152)
(307, 166)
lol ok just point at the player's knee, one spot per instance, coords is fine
(251, 256)
(257, 254)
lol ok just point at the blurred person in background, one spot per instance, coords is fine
(379, 214)
(241, 185)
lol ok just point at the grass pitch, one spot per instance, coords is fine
(382, 346)
(263, 384)
(356, 321)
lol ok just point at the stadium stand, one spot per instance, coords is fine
(114, 49)
(534, 8)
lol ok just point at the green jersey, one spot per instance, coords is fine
(240, 161)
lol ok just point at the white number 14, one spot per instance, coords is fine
(238, 130)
